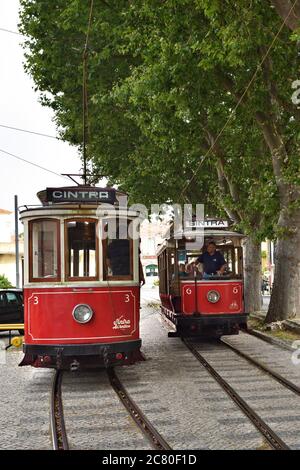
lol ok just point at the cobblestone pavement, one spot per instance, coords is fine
(180, 398)
(278, 406)
(175, 392)
(24, 405)
(94, 416)
(149, 294)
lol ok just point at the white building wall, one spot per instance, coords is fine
(6, 226)
(7, 247)
(8, 268)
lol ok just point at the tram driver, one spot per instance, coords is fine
(212, 260)
(118, 257)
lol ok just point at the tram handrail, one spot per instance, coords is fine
(11, 326)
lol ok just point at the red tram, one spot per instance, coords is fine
(194, 303)
(82, 285)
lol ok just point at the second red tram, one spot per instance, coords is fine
(82, 284)
(197, 304)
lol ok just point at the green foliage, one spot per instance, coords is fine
(164, 79)
(4, 282)
(264, 254)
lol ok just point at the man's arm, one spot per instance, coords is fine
(222, 269)
(223, 264)
(199, 260)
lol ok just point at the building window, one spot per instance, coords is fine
(81, 249)
(44, 250)
(151, 270)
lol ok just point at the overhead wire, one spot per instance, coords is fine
(19, 129)
(31, 163)
(12, 32)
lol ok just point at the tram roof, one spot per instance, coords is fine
(215, 229)
(80, 200)
(207, 227)
(207, 233)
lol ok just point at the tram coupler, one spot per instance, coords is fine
(59, 358)
(174, 334)
(106, 357)
(74, 366)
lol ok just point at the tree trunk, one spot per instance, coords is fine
(289, 15)
(252, 271)
(285, 298)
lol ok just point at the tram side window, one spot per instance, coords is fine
(44, 262)
(81, 249)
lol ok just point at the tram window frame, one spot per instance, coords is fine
(51, 279)
(68, 277)
(119, 277)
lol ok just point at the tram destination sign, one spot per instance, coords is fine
(209, 223)
(80, 194)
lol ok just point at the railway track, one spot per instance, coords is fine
(57, 422)
(270, 436)
(282, 380)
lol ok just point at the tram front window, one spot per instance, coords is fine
(81, 249)
(44, 247)
(117, 255)
(192, 265)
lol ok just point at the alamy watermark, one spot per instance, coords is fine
(185, 221)
(2, 352)
(296, 353)
(296, 94)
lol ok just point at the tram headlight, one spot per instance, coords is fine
(213, 296)
(82, 313)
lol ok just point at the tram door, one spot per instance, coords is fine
(162, 269)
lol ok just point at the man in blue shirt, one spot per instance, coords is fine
(213, 261)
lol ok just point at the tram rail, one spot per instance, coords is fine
(275, 375)
(57, 422)
(270, 436)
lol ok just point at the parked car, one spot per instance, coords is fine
(11, 307)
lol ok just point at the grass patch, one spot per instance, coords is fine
(264, 446)
(284, 334)
(154, 304)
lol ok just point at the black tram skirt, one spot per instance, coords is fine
(75, 356)
(205, 325)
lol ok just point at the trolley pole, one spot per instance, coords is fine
(17, 243)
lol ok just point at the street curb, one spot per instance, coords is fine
(269, 339)
(292, 325)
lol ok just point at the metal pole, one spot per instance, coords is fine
(17, 243)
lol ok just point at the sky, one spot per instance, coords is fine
(19, 107)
